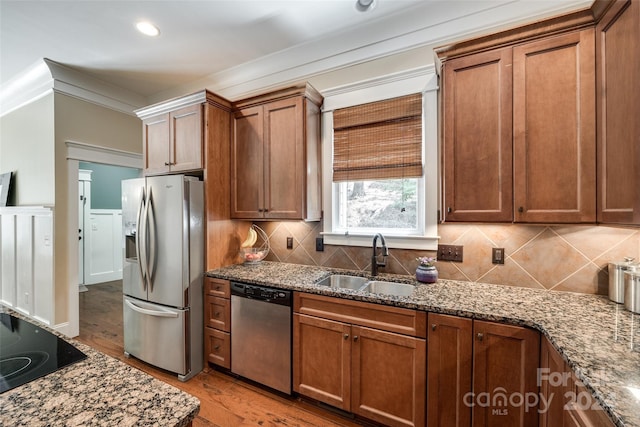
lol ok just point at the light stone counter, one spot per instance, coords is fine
(599, 338)
(97, 391)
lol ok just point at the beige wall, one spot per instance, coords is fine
(571, 258)
(26, 148)
(80, 121)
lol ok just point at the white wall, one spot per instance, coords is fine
(26, 144)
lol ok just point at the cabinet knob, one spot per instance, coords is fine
(217, 314)
(433, 327)
(520, 209)
(346, 336)
(480, 336)
(167, 163)
(355, 338)
(216, 348)
(449, 209)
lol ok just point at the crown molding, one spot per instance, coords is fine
(47, 76)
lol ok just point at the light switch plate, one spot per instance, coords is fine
(450, 253)
(497, 255)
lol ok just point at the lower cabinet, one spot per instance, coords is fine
(217, 322)
(371, 372)
(565, 402)
(481, 373)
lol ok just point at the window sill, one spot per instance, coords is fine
(429, 243)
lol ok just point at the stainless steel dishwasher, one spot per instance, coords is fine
(261, 335)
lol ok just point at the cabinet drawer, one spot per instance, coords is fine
(217, 347)
(386, 318)
(217, 313)
(217, 287)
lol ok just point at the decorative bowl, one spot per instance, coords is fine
(253, 255)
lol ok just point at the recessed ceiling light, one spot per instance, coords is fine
(147, 28)
(365, 5)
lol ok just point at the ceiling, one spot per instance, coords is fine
(226, 43)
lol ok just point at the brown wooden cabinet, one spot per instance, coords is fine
(477, 370)
(478, 141)
(450, 362)
(519, 130)
(217, 321)
(554, 129)
(618, 109)
(173, 141)
(375, 373)
(505, 365)
(275, 157)
(569, 402)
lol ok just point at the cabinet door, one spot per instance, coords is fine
(388, 377)
(247, 173)
(322, 360)
(449, 368)
(156, 144)
(555, 382)
(284, 165)
(554, 129)
(186, 139)
(478, 137)
(217, 347)
(618, 104)
(505, 365)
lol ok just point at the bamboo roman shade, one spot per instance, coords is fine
(379, 140)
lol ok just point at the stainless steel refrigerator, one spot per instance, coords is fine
(163, 266)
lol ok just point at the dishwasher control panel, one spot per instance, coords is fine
(262, 293)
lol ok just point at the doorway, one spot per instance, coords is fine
(78, 152)
(100, 241)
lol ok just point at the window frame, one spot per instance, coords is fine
(423, 80)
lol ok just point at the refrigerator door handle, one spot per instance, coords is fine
(156, 313)
(152, 240)
(139, 238)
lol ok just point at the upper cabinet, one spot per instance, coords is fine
(519, 132)
(618, 101)
(554, 170)
(275, 156)
(173, 134)
(539, 122)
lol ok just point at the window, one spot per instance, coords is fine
(380, 165)
(390, 206)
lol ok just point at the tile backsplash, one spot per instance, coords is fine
(570, 258)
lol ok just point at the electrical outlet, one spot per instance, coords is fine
(289, 242)
(319, 244)
(497, 255)
(450, 253)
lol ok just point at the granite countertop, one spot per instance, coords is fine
(598, 338)
(97, 391)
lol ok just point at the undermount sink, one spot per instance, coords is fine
(343, 281)
(389, 288)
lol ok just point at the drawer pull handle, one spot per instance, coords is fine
(346, 336)
(480, 336)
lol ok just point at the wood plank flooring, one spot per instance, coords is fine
(224, 399)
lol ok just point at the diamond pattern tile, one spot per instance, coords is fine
(566, 258)
(549, 258)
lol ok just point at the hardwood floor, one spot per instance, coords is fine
(224, 399)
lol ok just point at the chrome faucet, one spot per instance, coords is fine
(374, 258)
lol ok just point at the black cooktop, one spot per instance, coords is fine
(28, 352)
